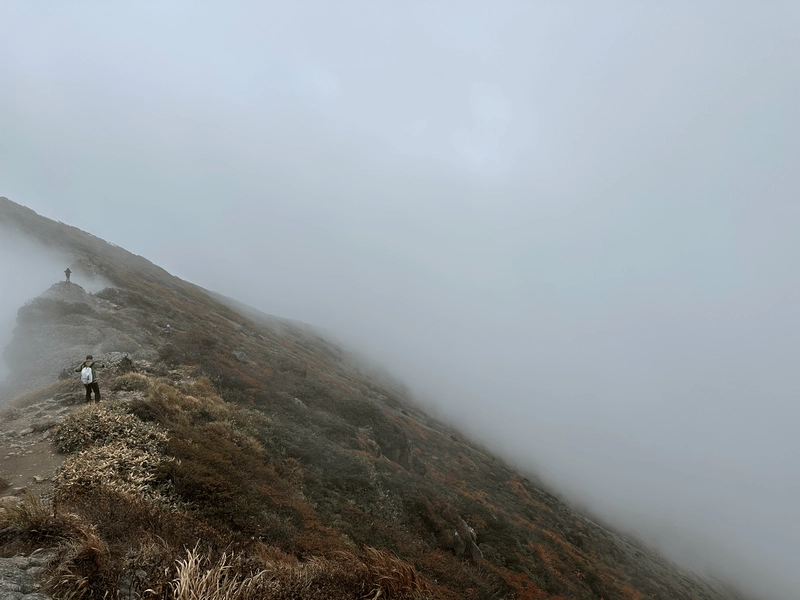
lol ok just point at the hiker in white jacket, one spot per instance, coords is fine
(89, 377)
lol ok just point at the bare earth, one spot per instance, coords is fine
(27, 458)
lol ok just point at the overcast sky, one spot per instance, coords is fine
(572, 227)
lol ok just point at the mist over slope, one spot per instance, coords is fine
(26, 270)
(336, 463)
(571, 228)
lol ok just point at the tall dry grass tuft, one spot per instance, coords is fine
(376, 575)
(27, 520)
(25, 514)
(392, 577)
(198, 579)
(85, 569)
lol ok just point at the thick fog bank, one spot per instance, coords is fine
(572, 228)
(26, 270)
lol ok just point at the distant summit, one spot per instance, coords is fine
(65, 291)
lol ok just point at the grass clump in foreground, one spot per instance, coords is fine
(115, 449)
(375, 574)
(103, 424)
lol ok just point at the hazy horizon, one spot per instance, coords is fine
(571, 228)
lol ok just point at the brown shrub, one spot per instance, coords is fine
(130, 382)
(391, 577)
(83, 569)
(26, 523)
(101, 424)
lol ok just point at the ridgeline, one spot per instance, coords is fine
(241, 456)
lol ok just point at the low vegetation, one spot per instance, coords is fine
(247, 458)
(182, 469)
(178, 493)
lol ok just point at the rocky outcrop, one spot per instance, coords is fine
(71, 293)
(464, 541)
(18, 577)
(56, 330)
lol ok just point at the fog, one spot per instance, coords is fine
(570, 227)
(26, 270)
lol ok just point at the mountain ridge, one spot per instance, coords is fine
(340, 463)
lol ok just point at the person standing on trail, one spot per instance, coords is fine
(67, 273)
(89, 377)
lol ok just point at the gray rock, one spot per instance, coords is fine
(43, 424)
(17, 577)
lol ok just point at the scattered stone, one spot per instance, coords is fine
(240, 356)
(43, 424)
(26, 431)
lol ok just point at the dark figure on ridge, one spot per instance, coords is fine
(67, 273)
(89, 377)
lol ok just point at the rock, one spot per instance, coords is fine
(240, 356)
(43, 424)
(68, 292)
(17, 576)
(459, 545)
(396, 446)
(26, 431)
(463, 543)
(119, 360)
(472, 538)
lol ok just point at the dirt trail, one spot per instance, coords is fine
(27, 458)
(28, 461)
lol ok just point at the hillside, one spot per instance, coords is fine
(246, 454)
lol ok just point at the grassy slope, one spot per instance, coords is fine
(273, 446)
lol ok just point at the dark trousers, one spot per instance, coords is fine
(92, 387)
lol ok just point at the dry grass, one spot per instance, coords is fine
(131, 382)
(25, 513)
(119, 451)
(377, 575)
(27, 523)
(197, 579)
(392, 577)
(84, 569)
(103, 424)
(118, 466)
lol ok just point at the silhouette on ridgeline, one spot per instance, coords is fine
(67, 273)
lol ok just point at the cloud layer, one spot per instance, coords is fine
(572, 229)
